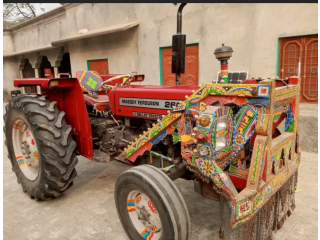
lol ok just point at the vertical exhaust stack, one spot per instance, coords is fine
(179, 48)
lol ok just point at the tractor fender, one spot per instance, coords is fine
(67, 94)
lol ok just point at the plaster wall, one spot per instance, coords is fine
(121, 50)
(64, 23)
(8, 45)
(10, 72)
(252, 30)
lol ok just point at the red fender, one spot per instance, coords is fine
(68, 94)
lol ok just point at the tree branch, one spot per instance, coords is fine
(22, 13)
(34, 14)
(8, 13)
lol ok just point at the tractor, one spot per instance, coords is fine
(237, 142)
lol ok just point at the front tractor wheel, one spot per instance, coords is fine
(40, 147)
(150, 205)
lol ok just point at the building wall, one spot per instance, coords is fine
(252, 30)
(10, 72)
(120, 48)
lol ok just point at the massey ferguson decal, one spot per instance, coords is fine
(148, 103)
(146, 115)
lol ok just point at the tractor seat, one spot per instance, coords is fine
(96, 99)
(91, 82)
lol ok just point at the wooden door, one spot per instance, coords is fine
(305, 50)
(191, 75)
(100, 65)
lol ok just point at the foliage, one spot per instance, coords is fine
(15, 13)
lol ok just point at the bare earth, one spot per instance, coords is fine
(87, 210)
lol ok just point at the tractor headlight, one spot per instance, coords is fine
(203, 151)
(222, 125)
(222, 131)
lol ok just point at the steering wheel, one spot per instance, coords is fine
(129, 77)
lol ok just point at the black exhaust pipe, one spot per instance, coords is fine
(179, 48)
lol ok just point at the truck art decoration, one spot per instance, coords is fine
(227, 138)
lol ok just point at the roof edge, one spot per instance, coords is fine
(37, 18)
(97, 32)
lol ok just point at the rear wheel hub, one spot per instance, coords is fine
(25, 149)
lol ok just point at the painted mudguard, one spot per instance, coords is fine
(69, 97)
(195, 123)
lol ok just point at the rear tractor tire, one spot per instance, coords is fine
(40, 147)
(150, 205)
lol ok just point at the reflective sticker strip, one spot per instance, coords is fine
(147, 234)
(131, 205)
(36, 154)
(222, 132)
(16, 125)
(148, 103)
(147, 115)
(152, 207)
(20, 161)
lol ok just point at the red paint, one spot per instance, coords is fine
(293, 80)
(265, 170)
(152, 207)
(279, 83)
(32, 142)
(239, 182)
(224, 66)
(43, 82)
(70, 99)
(249, 81)
(99, 99)
(48, 73)
(201, 137)
(144, 91)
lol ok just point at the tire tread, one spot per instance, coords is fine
(58, 171)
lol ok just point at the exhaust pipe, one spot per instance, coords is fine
(179, 48)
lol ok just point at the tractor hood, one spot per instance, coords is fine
(147, 101)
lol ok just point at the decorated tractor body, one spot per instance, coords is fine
(237, 142)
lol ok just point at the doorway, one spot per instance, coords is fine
(303, 49)
(65, 65)
(191, 75)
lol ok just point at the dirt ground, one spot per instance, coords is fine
(87, 210)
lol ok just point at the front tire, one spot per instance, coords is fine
(40, 147)
(164, 216)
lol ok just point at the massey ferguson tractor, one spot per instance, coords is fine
(225, 137)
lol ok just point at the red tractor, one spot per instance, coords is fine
(224, 136)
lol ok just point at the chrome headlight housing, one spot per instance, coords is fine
(222, 131)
